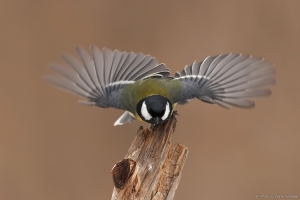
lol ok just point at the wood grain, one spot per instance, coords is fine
(152, 167)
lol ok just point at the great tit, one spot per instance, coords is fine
(144, 89)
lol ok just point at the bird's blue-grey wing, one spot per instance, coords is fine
(227, 80)
(101, 77)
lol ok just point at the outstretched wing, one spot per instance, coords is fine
(227, 80)
(101, 78)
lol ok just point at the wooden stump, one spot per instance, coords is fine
(152, 167)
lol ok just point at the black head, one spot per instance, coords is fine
(154, 109)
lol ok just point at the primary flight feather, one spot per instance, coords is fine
(142, 87)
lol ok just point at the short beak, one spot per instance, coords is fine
(156, 119)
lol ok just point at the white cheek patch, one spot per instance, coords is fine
(167, 112)
(144, 112)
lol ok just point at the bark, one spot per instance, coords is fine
(152, 167)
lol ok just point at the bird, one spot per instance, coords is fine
(145, 90)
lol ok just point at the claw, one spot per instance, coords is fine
(152, 126)
(175, 112)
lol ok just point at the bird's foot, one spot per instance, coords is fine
(152, 127)
(174, 114)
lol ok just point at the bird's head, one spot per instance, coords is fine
(154, 109)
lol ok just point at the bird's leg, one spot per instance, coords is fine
(152, 126)
(174, 114)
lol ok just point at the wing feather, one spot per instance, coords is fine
(89, 65)
(99, 67)
(102, 77)
(227, 80)
(67, 85)
(107, 60)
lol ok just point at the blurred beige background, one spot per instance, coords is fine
(53, 148)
